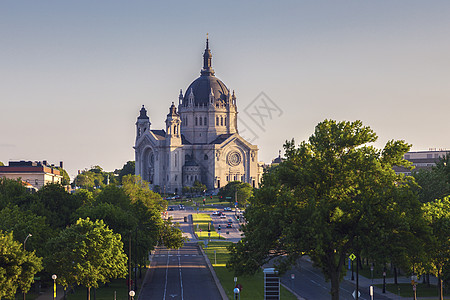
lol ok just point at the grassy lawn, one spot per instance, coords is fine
(252, 286)
(405, 290)
(102, 293)
(199, 200)
(203, 220)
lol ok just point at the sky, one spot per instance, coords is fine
(74, 74)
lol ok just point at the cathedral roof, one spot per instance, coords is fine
(206, 83)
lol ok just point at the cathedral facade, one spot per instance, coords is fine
(200, 141)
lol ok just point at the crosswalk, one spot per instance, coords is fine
(175, 255)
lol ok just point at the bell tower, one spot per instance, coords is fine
(143, 123)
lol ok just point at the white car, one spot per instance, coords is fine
(227, 208)
(216, 213)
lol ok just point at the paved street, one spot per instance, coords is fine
(179, 274)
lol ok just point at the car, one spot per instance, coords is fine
(170, 208)
(223, 216)
(181, 207)
(216, 213)
(230, 225)
(227, 208)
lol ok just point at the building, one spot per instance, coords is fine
(200, 141)
(422, 160)
(36, 174)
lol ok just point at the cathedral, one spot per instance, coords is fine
(200, 141)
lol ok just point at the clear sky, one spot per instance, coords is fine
(74, 74)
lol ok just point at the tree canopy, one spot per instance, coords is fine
(17, 266)
(87, 253)
(242, 190)
(322, 199)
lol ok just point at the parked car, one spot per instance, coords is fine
(227, 208)
(216, 213)
(170, 208)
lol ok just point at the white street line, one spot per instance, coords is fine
(167, 271)
(181, 278)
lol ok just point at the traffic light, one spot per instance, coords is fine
(204, 200)
(219, 227)
(237, 217)
(209, 227)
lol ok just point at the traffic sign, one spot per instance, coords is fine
(354, 294)
(352, 256)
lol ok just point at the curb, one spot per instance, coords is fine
(213, 273)
(292, 292)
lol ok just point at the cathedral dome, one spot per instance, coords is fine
(201, 87)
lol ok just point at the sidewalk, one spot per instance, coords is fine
(365, 283)
(48, 295)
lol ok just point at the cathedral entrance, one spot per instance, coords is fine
(148, 173)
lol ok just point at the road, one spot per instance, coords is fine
(311, 285)
(179, 274)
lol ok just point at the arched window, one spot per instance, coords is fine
(204, 121)
(196, 121)
(221, 121)
(225, 121)
(200, 121)
(217, 121)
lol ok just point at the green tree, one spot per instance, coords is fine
(55, 203)
(127, 169)
(87, 253)
(321, 200)
(66, 178)
(1, 164)
(437, 214)
(17, 266)
(12, 192)
(21, 223)
(432, 183)
(242, 190)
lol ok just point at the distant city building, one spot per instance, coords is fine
(200, 141)
(422, 160)
(35, 174)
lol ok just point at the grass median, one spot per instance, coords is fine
(200, 223)
(252, 286)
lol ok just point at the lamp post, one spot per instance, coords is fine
(132, 293)
(24, 243)
(54, 286)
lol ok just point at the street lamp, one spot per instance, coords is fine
(132, 293)
(24, 243)
(54, 286)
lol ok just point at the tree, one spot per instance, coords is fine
(322, 199)
(1, 164)
(87, 253)
(433, 184)
(17, 266)
(437, 214)
(21, 223)
(242, 190)
(66, 178)
(128, 169)
(55, 203)
(12, 192)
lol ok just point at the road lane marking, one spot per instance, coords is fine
(181, 278)
(167, 271)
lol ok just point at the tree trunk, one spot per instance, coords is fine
(440, 283)
(395, 276)
(334, 278)
(88, 294)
